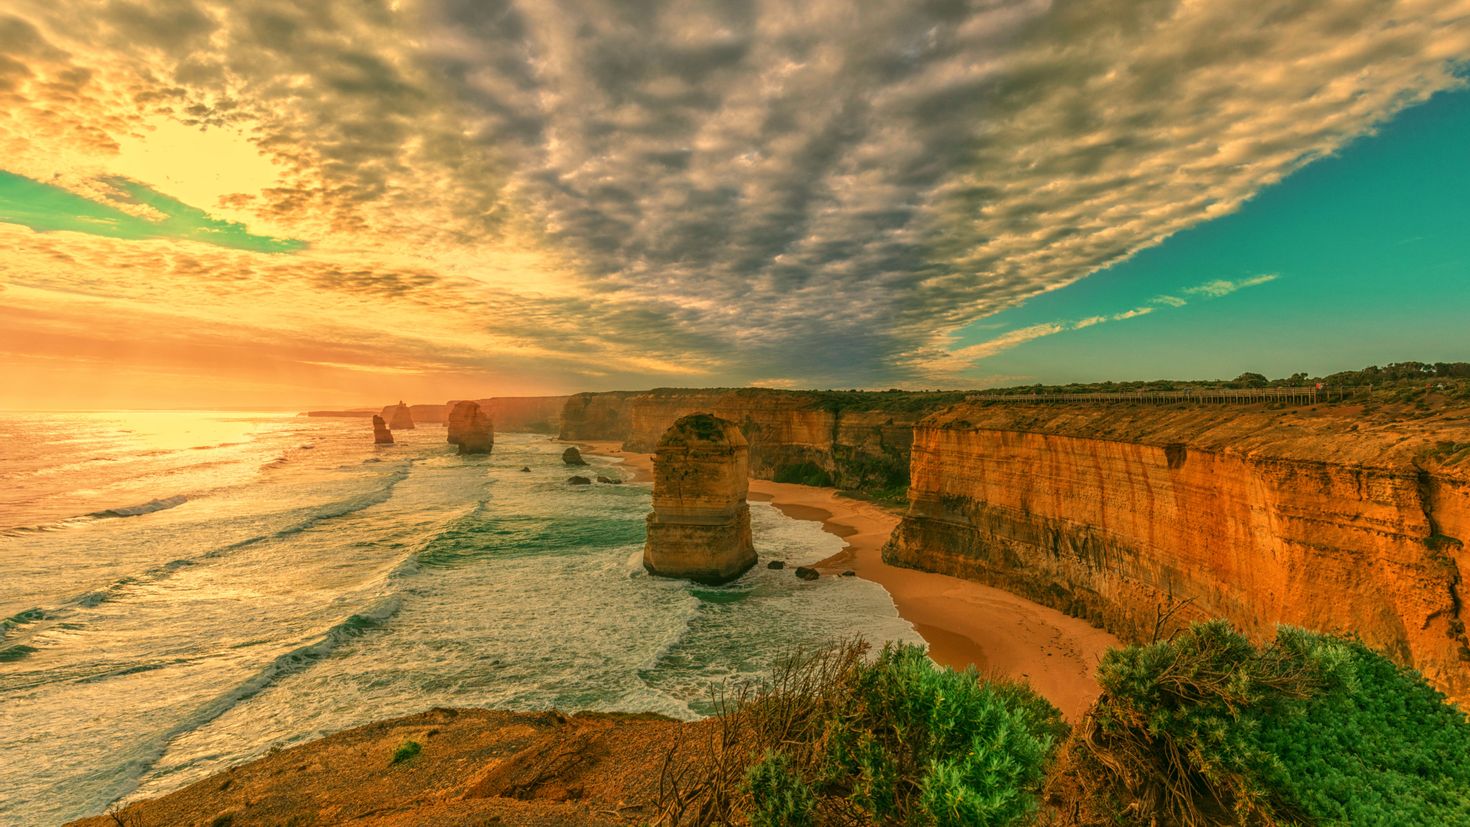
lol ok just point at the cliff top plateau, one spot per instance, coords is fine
(1395, 434)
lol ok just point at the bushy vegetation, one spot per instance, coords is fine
(1308, 729)
(407, 751)
(836, 738)
(1377, 746)
(912, 743)
(803, 473)
(1205, 728)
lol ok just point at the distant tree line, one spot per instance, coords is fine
(1397, 373)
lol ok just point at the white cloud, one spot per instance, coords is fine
(1224, 287)
(818, 189)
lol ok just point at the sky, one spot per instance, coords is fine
(262, 203)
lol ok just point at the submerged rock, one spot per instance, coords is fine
(776, 564)
(525, 469)
(579, 480)
(700, 525)
(381, 434)
(572, 456)
(807, 573)
(849, 573)
(609, 480)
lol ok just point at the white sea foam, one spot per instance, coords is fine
(299, 598)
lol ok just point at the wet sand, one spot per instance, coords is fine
(965, 623)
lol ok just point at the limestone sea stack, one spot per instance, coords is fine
(572, 456)
(381, 434)
(459, 416)
(398, 416)
(700, 525)
(477, 432)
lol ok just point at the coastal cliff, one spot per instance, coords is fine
(853, 440)
(596, 416)
(1325, 518)
(525, 414)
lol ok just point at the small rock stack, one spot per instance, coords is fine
(700, 525)
(399, 417)
(381, 434)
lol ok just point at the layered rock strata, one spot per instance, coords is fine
(1316, 518)
(699, 528)
(596, 416)
(848, 439)
(525, 414)
(381, 434)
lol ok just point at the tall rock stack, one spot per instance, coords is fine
(459, 417)
(700, 525)
(399, 417)
(476, 433)
(381, 434)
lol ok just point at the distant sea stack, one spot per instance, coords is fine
(476, 433)
(399, 417)
(381, 434)
(700, 525)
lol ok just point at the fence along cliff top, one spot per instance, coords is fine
(1307, 395)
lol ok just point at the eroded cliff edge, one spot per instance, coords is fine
(1325, 518)
(854, 440)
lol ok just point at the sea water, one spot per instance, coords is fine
(183, 591)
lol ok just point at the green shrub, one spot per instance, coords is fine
(835, 738)
(803, 473)
(1379, 746)
(781, 798)
(406, 751)
(916, 743)
(1310, 728)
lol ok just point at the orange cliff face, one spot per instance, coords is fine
(525, 414)
(1320, 519)
(852, 440)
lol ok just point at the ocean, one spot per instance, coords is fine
(184, 591)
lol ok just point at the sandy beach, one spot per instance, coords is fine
(965, 623)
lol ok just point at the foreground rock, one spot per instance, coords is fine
(572, 456)
(381, 434)
(399, 417)
(471, 429)
(474, 766)
(699, 528)
(579, 480)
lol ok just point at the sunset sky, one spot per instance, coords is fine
(276, 203)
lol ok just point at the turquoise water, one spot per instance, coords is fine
(185, 591)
